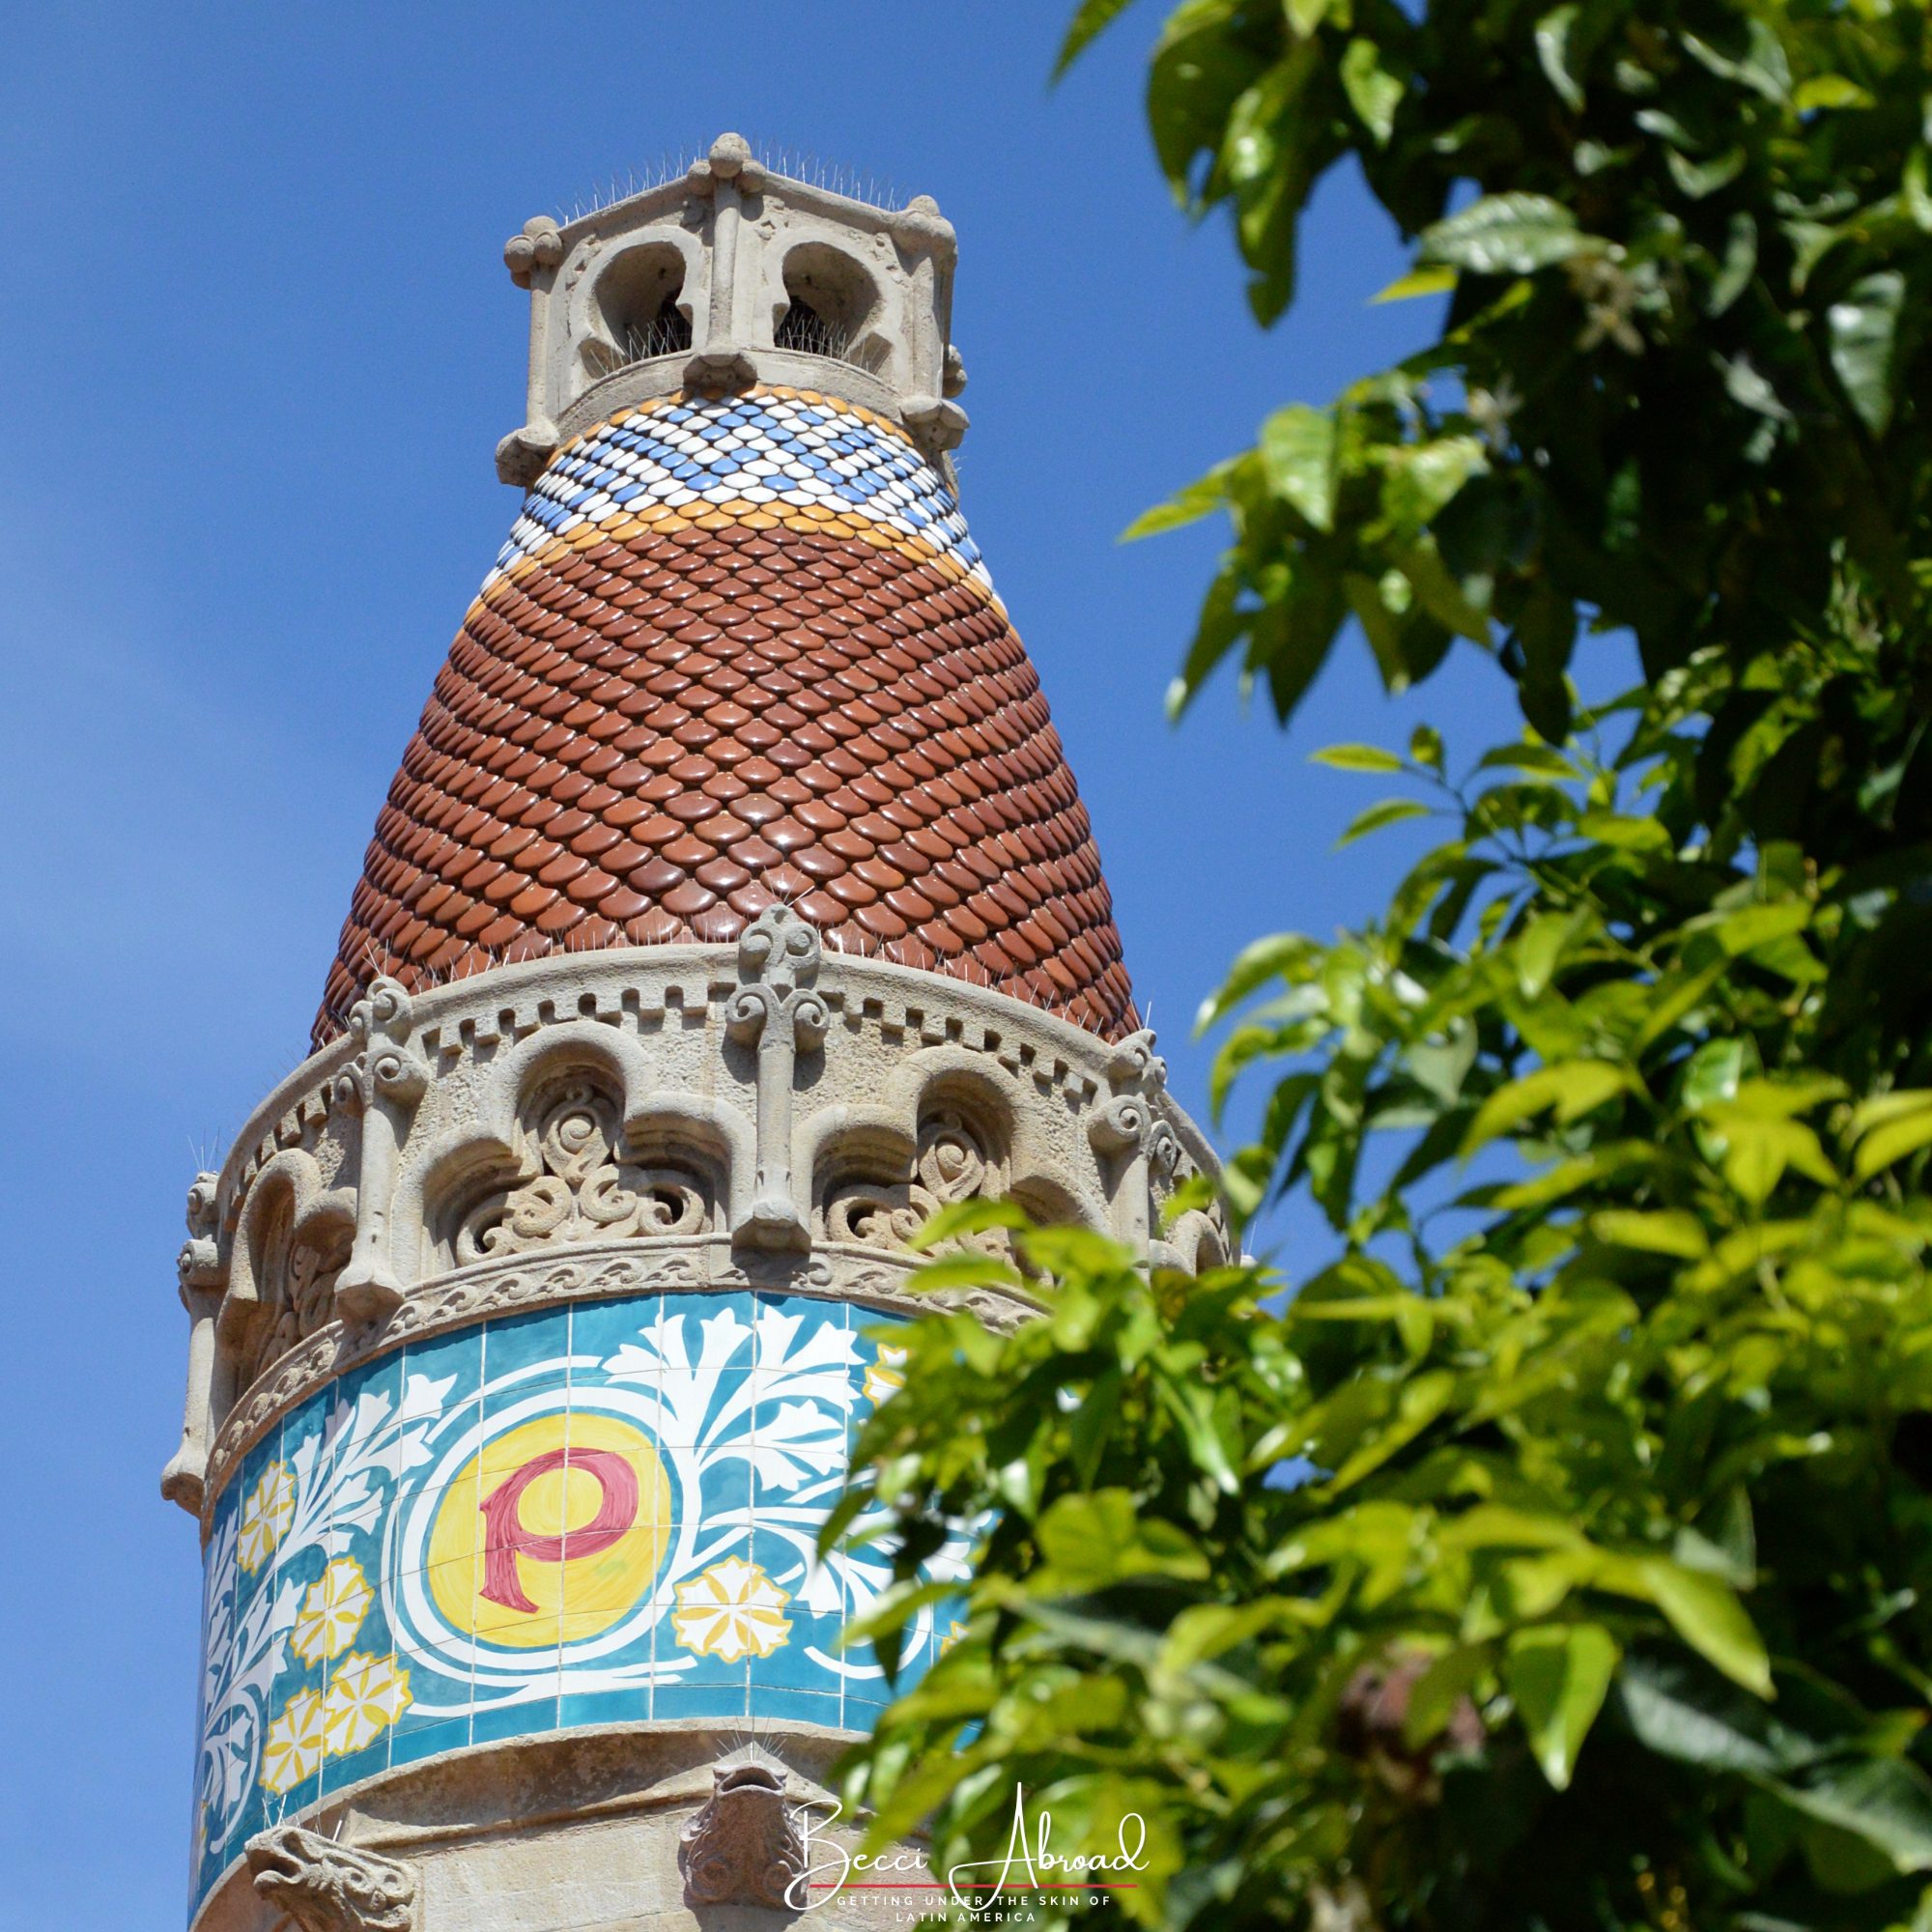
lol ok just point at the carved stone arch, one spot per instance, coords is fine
(291, 1239)
(1196, 1242)
(1052, 1204)
(827, 302)
(642, 305)
(859, 1161)
(582, 1170)
(961, 1130)
(449, 1182)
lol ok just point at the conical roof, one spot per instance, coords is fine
(738, 651)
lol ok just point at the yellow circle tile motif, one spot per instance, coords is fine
(565, 1514)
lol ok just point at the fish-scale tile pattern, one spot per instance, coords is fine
(653, 726)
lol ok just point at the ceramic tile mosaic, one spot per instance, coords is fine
(795, 457)
(589, 1514)
(739, 653)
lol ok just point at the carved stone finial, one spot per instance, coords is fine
(1135, 1065)
(329, 1887)
(777, 1010)
(728, 155)
(198, 1269)
(1133, 1127)
(743, 1847)
(199, 1263)
(382, 1083)
(540, 245)
(719, 372)
(524, 454)
(937, 423)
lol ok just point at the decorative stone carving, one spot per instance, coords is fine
(743, 1847)
(777, 1010)
(329, 1887)
(1131, 1131)
(653, 1023)
(953, 1163)
(382, 1083)
(198, 1271)
(307, 1299)
(581, 1185)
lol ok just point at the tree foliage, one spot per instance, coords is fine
(1558, 1554)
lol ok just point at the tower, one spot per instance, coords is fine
(731, 910)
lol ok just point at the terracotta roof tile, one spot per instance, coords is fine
(651, 738)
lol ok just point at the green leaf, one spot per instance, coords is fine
(1221, 626)
(1738, 267)
(1356, 758)
(1512, 234)
(1088, 22)
(1390, 812)
(1573, 1087)
(1374, 92)
(1426, 281)
(1863, 330)
(1900, 1132)
(1887, 1802)
(1753, 55)
(1297, 446)
(1705, 1614)
(1829, 91)
(1419, 479)
(1660, 1232)
(1554, 35)
(1199, 498)
(1559, 1675)
(1092, 1541)
(1683, 1712)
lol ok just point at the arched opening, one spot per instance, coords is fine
(640, 299)
(829, 303)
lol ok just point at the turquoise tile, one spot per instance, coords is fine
(452, 1362)
(684, 1698)
(527, 1351)
(430, 1736)
(798, 1707)
(726, 1489)
(600, 1329)
(630, 1706)
(527, 1715)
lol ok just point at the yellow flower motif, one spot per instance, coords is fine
(885, 1374)
(955, 1631)
(266, 1516)
(733, 1610)
(294, 1749)
(366, 1695)
(332, 1611)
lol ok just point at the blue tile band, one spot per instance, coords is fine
(784, 458)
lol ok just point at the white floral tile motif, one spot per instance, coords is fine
(563, 1505)
(733, 1610)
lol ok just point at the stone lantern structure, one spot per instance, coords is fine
(731, 910)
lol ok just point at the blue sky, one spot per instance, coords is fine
(258, 345)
